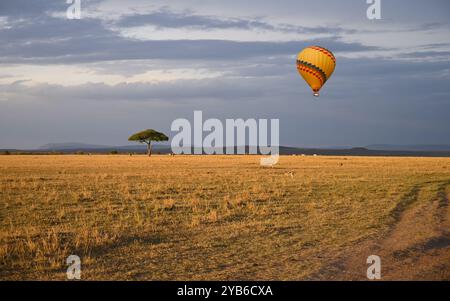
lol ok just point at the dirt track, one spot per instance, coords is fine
(416, 246)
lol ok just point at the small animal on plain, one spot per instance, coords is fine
(290, 174)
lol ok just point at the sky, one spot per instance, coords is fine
(131, 65)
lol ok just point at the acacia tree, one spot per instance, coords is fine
(147, 136)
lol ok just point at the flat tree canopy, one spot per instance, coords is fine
(148, 135)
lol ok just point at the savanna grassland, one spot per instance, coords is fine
(223, 217)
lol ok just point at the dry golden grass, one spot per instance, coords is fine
(213, 217)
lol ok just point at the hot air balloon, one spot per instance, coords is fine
(315, 64)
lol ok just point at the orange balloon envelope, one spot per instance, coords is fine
(316, 64)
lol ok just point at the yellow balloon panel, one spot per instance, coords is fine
(316, 64)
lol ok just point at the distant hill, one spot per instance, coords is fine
(413, 147)
(70, 145)
(370, 150)
(74, 146)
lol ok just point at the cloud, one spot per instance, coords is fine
(276, 79)
(165, 18)
(87, 41)
(38, 37)
(168, 92)
(441, 55)
(26, 8)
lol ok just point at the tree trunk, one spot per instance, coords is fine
(149, 148)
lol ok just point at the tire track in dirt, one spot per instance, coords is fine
(416, 246)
